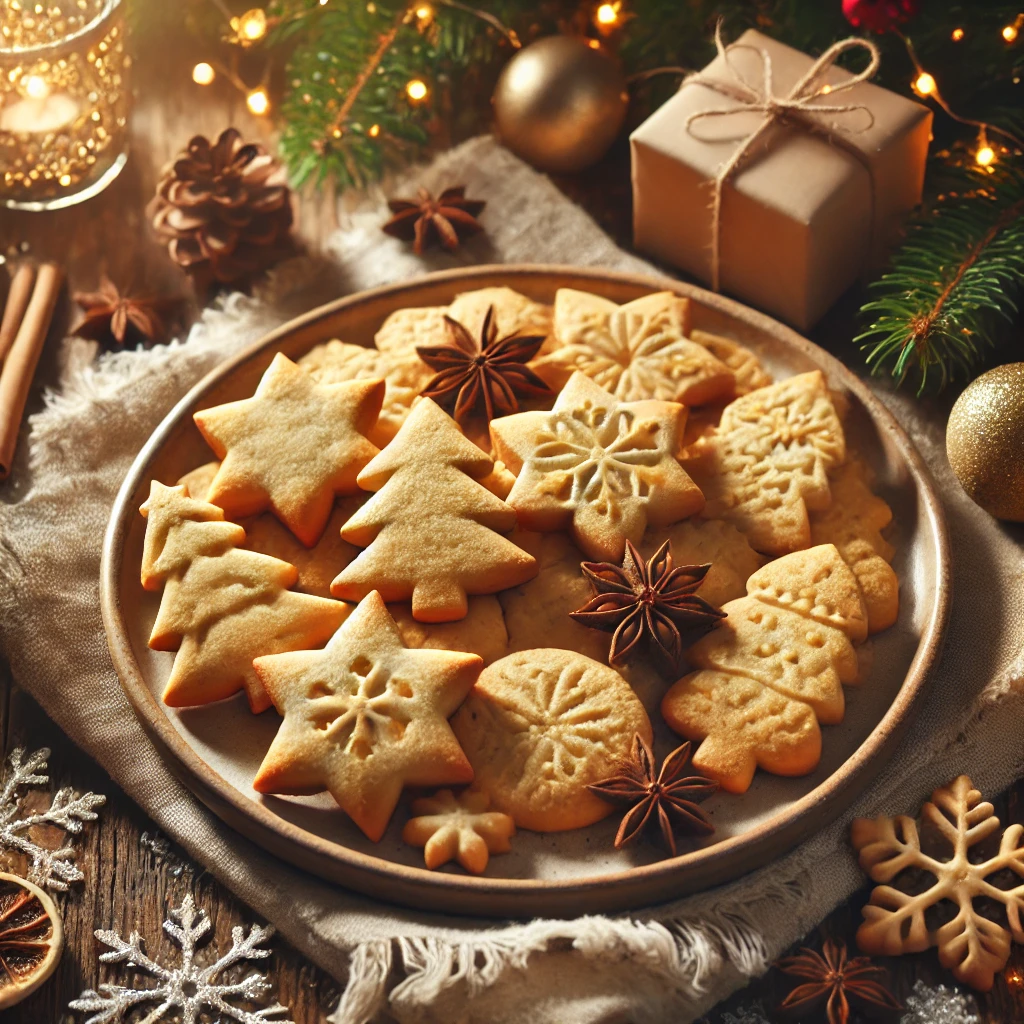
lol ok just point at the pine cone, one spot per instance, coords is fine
(223, 210)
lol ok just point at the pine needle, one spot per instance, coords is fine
(952, 285)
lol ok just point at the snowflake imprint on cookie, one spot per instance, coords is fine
(607, 467)
(540, 726)
(635, 351)
(51, 869)
(193, 991)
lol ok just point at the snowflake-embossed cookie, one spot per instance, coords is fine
(539, 726)
(364, 717)
(766, 465)
(636, 351)
(601, 467)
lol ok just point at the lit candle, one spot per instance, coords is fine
(39, 110)
(64, 99)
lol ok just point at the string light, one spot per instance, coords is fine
(251, 26)
(203, 73)
(924, 84)
(1010, 33)
(416, 90)
(984, 155)
(373, 131)
(607, 14)
(258, 101)
(425, 12)
(958, 34)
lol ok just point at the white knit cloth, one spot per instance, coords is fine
(672, 962)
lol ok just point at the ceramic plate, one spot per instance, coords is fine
(216, 749)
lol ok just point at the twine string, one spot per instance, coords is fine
(796, 109)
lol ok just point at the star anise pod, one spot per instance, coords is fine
(834, 980)
(668, 795)
(109, 314)
(428, 220)
(652, 599)
(491, 371)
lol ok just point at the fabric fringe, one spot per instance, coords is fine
(684, 954)
(363, 998)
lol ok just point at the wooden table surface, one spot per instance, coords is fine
(132, 872)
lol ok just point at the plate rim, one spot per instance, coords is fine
(631, 888)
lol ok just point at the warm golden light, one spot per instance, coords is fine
(416, 90)
(424, 12)
(203, 73)
(958, 34)
(374, 131)
(258, 101)
(985, 156)
(252, 25)
(36, 87)
(1010, 33)
(826, 89)
(607, 14)
(924, 84)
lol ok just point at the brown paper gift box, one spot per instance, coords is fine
(800, 219)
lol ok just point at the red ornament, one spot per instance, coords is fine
(879, 15)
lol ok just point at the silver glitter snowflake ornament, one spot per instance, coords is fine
(52, 869)
(187, 991)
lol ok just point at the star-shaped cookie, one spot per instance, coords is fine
(604, 467)
(292, 447)
(364, 717)
(639, 350)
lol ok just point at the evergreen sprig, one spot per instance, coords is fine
(958, 275)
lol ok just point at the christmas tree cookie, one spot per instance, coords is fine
(292, 447)
(221, 605)
(854, 523)
(772, 670)
(431, 532)
(600, 467)
(636, 351)
(766, 465)
(365, 717)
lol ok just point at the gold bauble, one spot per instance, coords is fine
(559, 103)
(985, 441)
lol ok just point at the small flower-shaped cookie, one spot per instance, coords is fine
(458, 827)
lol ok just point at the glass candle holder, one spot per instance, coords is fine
(64, 100)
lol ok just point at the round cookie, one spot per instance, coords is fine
(539, 726)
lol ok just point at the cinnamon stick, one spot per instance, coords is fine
(17, 302)
(20, 365)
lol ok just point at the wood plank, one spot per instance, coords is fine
(132, 875)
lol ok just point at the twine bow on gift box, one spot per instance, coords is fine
(797, 109)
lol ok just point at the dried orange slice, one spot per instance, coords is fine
(31, 938)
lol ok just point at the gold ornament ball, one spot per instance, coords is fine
(560, 103)
(985, 441)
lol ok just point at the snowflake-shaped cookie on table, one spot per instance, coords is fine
(604, 467)
(188, 992)
(639, 350)
(954, 824)
(68, 811)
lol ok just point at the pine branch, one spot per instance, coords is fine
(955, 280)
